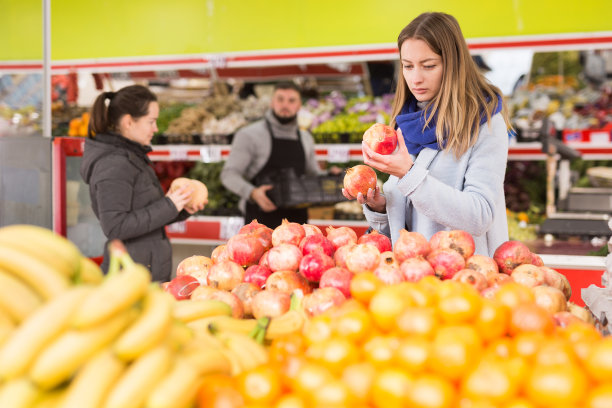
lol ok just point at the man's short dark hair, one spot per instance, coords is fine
(287, 85)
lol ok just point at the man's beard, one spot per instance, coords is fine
(283, 120)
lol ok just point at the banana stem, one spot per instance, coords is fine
(296, 300)
(259, 331)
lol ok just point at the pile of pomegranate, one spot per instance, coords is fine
(258, 269)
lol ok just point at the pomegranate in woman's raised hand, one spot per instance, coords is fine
(381, 138)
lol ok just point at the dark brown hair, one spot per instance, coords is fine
(287, 85)
(132, 100)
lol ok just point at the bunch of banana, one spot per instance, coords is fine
(36, 265)
(116, 344)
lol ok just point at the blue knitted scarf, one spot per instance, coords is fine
(411, 121)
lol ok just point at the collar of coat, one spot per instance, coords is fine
(117, 140)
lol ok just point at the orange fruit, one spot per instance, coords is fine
(412, 353)
(527, 344)
(512, 294)
(519, 403)
(385, 307)
(309, 378)
(292, 400)
(492, 320)
(599, 360)
(454, 351)
(502, 347)
(261, 385)
(332, 394)
(359, 377)
(599, 397)
(555, 351)
(490, 381)
(554, 385)
(418, 295)
(317, 328)
(529, 317)
(354, 325)
(219, 390)
(380, 350)
(288, 345)
(364, 285)
(390, 388)
(334, 353)
(431, 391)
(460, 305)
(417, 321)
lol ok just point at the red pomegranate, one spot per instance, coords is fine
(225, 275)
(284, 257)
(410, 244)
(536, 260)
(182, 286)
(257, 275)
(446, 262)
(381, 138)
(359, 179)
(288, 233)
(380, 241)
(262, 232)
(483, 264)
(511, 254)
(340, 255)
(245, 249)
(322, 299)
(416, 268)
(288, 282)
(473, 278)
(339, 278)
(232, 300)
(219, 254)
(310, 229)
(271, 303)
(196, 266)
(263, 261)
(549, 298)
(245, 292)
(313, 265)
(317, 242)
(388, 269)
(557, 280)
(528, 275)
(362, 258)
(341, 236)
(459, 240)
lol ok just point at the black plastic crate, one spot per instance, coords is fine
(292, 191)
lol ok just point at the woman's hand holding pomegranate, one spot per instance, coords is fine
(397, 163)
(181, 197)
(376, 201)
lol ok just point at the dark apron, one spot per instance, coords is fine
(285, 154)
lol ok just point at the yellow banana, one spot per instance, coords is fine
(90, 272)
(178, 388)
(42, 277)
(189, 310)
(249, 353)
(7, 326)
(149, 329)
(51, 399)
(64, 356)
(45, 245)
(140, 379)
(18, 393)
(94, 380)
(43, 326)
(16, 297)
(208, 360)
(179, 335)
(289, 322)
(223, 323)
(116, 294)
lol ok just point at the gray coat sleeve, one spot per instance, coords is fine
(115, 194)
(312, 166)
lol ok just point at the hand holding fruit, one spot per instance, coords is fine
(360, 184)
(258, 194)
(396, 164)
(188, 194)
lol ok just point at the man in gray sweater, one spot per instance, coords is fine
(271, 145)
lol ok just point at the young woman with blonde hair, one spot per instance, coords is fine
(448, 171)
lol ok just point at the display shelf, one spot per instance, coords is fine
(346, 152)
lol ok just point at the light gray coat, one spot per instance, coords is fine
(251, 149)
(440, 192)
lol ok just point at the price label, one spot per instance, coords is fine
(210, 154)
(218, 61)
(600, 137)
(230, 227)
(178, 154)
(338, 154)
(179, 227)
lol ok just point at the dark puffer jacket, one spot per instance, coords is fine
(128, 200)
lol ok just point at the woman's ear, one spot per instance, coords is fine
(125, 123)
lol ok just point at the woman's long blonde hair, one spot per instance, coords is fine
(464, 93)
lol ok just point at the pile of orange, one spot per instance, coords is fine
(431, 344)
